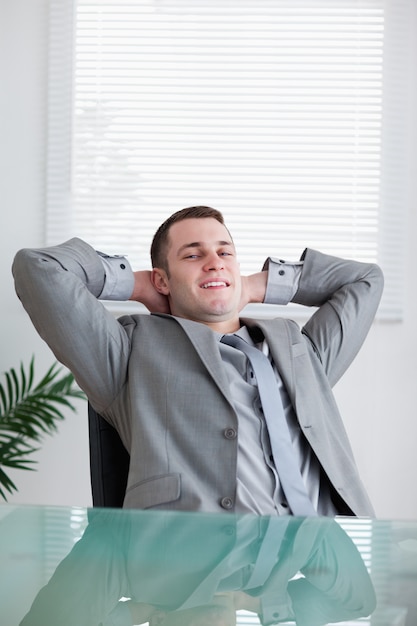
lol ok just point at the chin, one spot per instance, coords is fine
(223, 308)
(221, 315)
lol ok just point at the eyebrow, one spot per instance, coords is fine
(200, 244)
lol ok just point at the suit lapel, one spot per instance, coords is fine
(276, 334)
(289, 358)
(293, 363)
(205, 342)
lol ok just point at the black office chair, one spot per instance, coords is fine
(109, 462)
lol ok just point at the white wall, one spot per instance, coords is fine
(378, 396)
(63, 474)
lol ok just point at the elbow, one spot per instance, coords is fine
(375, 281)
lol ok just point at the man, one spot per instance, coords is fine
(185, 404)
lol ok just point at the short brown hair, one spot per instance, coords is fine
(159, 247)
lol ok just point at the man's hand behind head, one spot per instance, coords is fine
(145, 293)
(253, 288)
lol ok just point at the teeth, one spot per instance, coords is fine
(214, 284)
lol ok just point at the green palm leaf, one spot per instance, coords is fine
(29, 412)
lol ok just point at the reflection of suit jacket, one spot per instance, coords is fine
(175, 560)
(160, 380)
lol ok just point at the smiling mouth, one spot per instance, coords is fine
(213, 284)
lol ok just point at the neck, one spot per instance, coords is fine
(219, 326)
(224, 328)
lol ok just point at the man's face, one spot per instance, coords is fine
(203, 283)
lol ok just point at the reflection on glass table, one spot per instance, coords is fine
(74, 566)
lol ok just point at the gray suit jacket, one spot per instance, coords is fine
(159, 380)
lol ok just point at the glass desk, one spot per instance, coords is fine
(75, 566)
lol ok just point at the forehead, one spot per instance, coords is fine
(198, 230)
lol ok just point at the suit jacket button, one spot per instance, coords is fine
(230, 433)
(226, 502)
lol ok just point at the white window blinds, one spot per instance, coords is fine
(286, 115)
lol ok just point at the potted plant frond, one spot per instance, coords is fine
(28, 412)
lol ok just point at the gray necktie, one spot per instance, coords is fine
(279, 434)
(268, 551)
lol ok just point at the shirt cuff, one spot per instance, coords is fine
(275, 610)
(119, 279)
(283, 279)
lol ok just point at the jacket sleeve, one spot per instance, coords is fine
(336, 584)
(59, 287)
(88, 583)
(346, 294)
(327, 579)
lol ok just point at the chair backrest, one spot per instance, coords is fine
(109, 462)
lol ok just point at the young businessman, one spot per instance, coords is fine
(185, 404)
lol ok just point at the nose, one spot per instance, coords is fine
(213, 262)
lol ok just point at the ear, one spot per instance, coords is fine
(160, 281)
